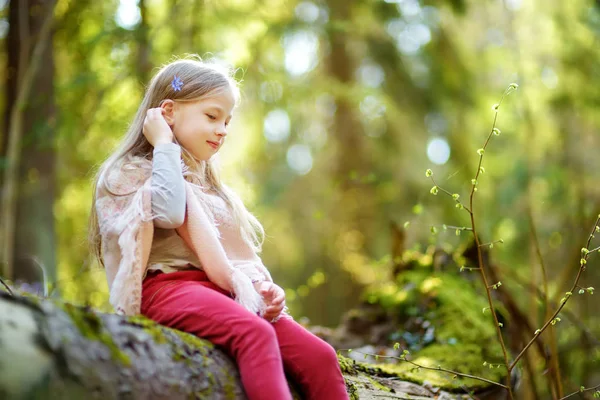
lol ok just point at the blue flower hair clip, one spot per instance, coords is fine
(176, 84)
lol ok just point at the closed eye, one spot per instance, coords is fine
(211, 116)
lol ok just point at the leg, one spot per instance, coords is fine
(250, 340)
(310, 361)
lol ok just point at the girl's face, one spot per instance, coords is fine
(200, 126)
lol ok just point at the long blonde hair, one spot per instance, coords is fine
(201, 79)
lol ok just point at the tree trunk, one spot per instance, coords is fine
(29, 179)
(52, 350)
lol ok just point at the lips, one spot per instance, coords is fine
(214, 145)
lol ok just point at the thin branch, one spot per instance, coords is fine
(491, 243)
(562, 303)
(448, 193)
(429, 368)
(580, 391)
(7, 287)
(478, 245)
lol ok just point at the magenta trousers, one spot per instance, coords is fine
(263, 351)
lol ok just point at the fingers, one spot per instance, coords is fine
(267, 291)
(155, 113)
(272, 312)
(279, 298)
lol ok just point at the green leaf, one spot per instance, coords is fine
(590, 290)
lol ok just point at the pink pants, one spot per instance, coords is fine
(188, 301)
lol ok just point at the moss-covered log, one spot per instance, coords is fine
(53, 350)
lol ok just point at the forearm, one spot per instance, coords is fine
(210, 252)
(168, 186)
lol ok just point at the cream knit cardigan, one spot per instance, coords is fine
(126, 229)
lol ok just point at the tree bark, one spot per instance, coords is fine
(53, 350)
(28, 185)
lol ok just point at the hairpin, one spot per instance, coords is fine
(176, 84)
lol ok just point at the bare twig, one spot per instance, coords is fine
(7, 287)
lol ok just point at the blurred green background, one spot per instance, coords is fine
(345, 105)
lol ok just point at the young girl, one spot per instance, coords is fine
(180, 247)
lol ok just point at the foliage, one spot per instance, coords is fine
(342, 101)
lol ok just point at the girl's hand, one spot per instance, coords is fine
(155, 128)
(274, 297)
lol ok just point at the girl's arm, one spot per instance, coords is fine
(207, 246)
(169, 211)
(167, 186)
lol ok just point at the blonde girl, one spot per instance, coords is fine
(180, 247)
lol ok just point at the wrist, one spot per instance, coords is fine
(257, 284)
(163, 140)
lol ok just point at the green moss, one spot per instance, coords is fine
(346, 364)
(463, 335)
(90, 326)
(155, 330)
(193, 340)
(352, 390)
(378, 385)
(466, 360)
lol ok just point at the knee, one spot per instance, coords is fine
(257, 329)
(322, 354)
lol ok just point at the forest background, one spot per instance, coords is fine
(345, 105)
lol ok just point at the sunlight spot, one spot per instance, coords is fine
(413, 37)
(3, 28)
(120, 52)
(277, 126)
(300, 159)
(438, 151)
(513, 5)
(549, 78)
(271, 91)
(395, 27)
(371, 107)
(315, 135)
(301, 49)
(370, 74)
(307, 11)
(409, 8)
(128, 14)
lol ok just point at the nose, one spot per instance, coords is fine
(221, 130)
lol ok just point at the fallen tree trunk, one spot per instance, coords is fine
(53, 350)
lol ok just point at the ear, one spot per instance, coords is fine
(168, 107)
